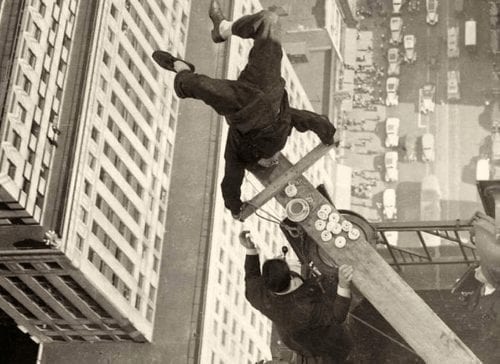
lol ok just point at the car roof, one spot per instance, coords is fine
(389, 192)
(392, 120)
(427, 138)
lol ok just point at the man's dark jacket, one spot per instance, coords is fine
(260, 130)
(308, 320)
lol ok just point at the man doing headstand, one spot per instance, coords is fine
(255, 105)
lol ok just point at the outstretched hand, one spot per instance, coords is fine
(246, 240)
(345, 276)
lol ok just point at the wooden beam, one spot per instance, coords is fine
(282, 180)
(422, 329)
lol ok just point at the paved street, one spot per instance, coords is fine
(461, 130)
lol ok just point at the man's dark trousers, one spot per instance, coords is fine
(262, 75)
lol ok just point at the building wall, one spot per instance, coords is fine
(32, 105)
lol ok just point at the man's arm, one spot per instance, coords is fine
(304, 120)
(334, 306)
(231, 184)
(254, 287)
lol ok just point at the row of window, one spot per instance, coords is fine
(143, 55)
(129, 119)
(120, 196)
(151, 15)
(127, 145)
(132, 95)
(107, 272)
(112, 247)
(123, 169)
(137, 73)
(114, 219)
(142, 27)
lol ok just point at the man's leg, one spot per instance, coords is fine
(224, 96)
(264, 61)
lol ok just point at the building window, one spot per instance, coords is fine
(103, 84)
(31, 58)
(16, 140)
(37, 33)
(225, 316)
(11, 169)
(223, 338)
(156, 264)
(100, 109)
(22, 112)
(45, 75)
(42, 8)
(252, 319)
(113, 11)
(94, 134)
(79, 242)
(87, 187)
(138, 302)
(26, 85)
(84, 214)
(250, 346)
(106, 59)
(111, 35)
(92, 161)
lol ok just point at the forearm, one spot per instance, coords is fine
(304, 120)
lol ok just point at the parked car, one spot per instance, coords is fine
(409, 41)
(391, 166)
(396, 26)
(483, 169)
(392, 132)
(428, 154)
(410, 147)
(391, 237)
(396, 6)
(453, 85)
(427, 94)
(453, 48)
(391, 87)
(432, 15)
(389, 204)
(394, 62)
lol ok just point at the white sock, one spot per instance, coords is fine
(225, 28)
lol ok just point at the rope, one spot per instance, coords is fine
(383, 334)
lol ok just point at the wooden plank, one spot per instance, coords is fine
(282, 180)
(422, 329)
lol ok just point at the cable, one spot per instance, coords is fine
(384, 334)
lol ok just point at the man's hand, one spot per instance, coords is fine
(246, 240)
(327, 137)
(345, 276)
(244, 206)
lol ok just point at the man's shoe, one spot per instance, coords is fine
(215, 14)
(166, 60)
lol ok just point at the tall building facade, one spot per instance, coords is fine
(233, 331)
(87, 133)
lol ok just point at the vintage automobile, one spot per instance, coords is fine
(427, 94)
(389, 204)
(391, 166)
(396, 26)
(428, 153)
(394, 62)
(409, 41)
(391, 87)
(396, 6)
(483, 169)
(453, 89)
(432, 15)
(392, 132)
(453, 48)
